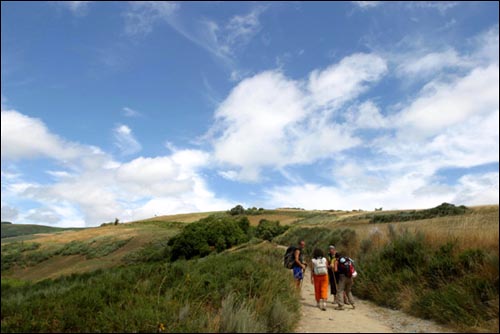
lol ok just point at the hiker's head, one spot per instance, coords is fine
(332, 249)
(302, 243)
(317, 253)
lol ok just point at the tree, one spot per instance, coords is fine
(237, 210)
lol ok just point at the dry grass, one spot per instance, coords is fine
(181, 218)
(65, 265)
(479, 228)
(284, 219)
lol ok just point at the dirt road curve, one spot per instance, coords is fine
(366, 318)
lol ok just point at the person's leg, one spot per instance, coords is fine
(340, 292)
(298, 276)
(324, 291)
(348, 288)
(317, 290)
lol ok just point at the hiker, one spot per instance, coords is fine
(319, 277)
(299, 266)
(342, 265)
(333, 277)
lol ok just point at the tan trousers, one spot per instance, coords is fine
(345, 284)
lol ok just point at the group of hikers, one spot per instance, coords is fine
(335, 270)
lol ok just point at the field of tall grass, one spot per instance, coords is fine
(138, 277)
(243, 291)
(445, 268)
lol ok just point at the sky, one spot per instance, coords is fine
(134, 109)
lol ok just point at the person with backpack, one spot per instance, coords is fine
(298, 265)
(319, 277)
(333, 277)
(345, 267)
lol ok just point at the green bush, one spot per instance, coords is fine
(214, 233)
(444, 209)
(237, 210)
(268, 229)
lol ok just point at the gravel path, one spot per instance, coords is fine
(366, 318)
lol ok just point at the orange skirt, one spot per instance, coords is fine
(320, 287)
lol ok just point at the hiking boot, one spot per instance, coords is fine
(353, 307)
(339, 308)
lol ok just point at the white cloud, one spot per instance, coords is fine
(269, 120)
(441, 105)
(367, 4)
(345, 80)
(9, 213)
(430, 63)
(132, 190)
(366, 116)
(478, 189)
(76, 7)
(27, 137)
(89, 187)
(125, 140)
(241, 28)
(221, 40)
(144, 14)
(441, 6)
(129, 112)
(401, 191)
(43, 216)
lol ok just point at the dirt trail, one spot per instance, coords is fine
(366, 318)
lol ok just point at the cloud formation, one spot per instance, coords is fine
(269, 120)
(90, 187)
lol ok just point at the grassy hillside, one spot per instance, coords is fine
(444, 268)
(10, 230)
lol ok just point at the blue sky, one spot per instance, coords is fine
(136, 109)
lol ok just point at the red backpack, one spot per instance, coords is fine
(346, 266)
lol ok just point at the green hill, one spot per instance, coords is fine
(213, 272)
(13, 230)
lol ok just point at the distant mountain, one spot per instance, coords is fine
(13, 230)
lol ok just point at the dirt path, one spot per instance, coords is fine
(366, 318)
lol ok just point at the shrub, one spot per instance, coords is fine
(237, 210)
(268, 229)
(212, 234)
(444, 209)
(446, 285)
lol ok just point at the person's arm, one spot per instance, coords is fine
(335, 266)
(312, 273)
(297, 254)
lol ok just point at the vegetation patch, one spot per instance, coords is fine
(28, 254)
(320, 237)
(453, 287)
(218, 293)
(268, 229)
(10, 230)
(212, 234)
(442, 210)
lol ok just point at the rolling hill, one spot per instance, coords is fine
(439, 255)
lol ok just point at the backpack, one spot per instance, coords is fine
(320, 267)
(346, 267)
(289, 258)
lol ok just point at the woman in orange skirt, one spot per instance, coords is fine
(319, 277)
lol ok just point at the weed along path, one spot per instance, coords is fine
(366, 318)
